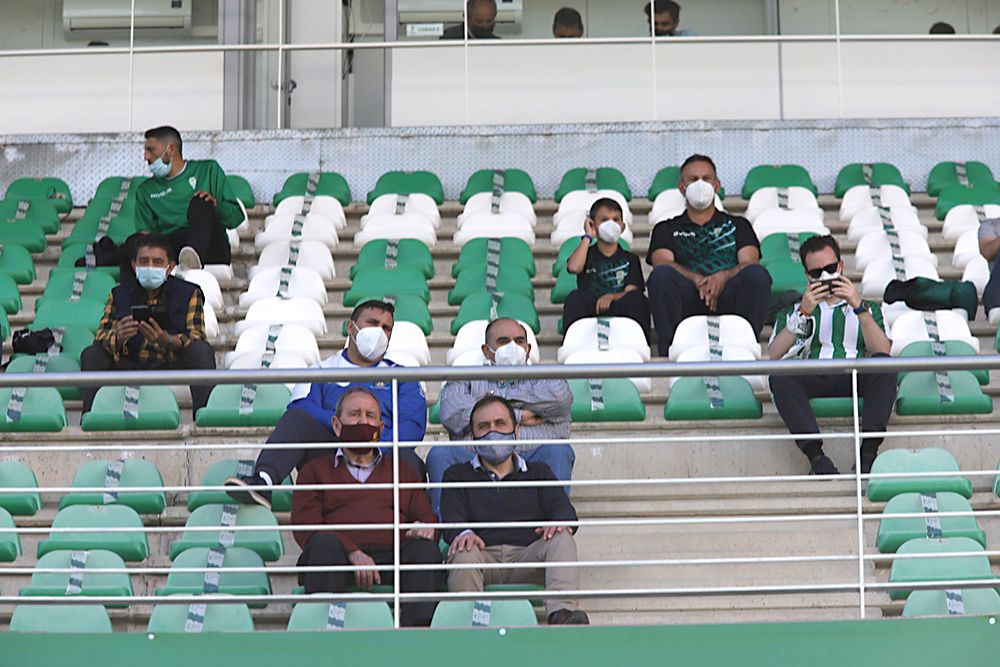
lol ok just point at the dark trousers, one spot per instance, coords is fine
(197, 356)
(583, 303)
(672, 297)
(792, 393)
(298, 426)
(991, 293)
(325, 548)
(204, 233)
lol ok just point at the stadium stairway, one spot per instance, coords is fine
(595, 459)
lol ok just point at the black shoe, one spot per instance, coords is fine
(249, 490)
(567, 617)
(822, 465)
(867, 459)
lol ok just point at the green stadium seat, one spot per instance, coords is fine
(412, 253)
(61, 618)
(23, 232)
(85, 229)
(111, 187)
(4, 326)
(60, 363)
(835, 406)
(230, 583)
(102, 206)
(39, 213)
(607, 178)
(952, 348)
(134, 472)
(944, 175)
(10, 543)
(216, 475)
(777, 176)
(406, 308)
(507, 613)
(916, 461)
(893, 532)
(957, 195)
(85, 313)
(567, 248)
(622, 402)
(313, 616)
(786, 276)
(775, 248)
(934, 602)
(883, 173)
(97, 285)
(157, 410)
(330, 184)
(918, 395)
(914, 570)
(130, 544)
(514, 252)
(398, 281)
(53, 190)
(996, 485)
(472, 280)
(71, 253)
(665, 179)
(219, 617)
(223, 408)
(16, 262)
(242, 189)
(10, 295)
(515, 180)
(266, 541)
(434, 413)
(41, 412)
(566, 282)
(91, 583)
(377, 589)
(17, 475)
(688, 399)
(479, 307)
(408, 183)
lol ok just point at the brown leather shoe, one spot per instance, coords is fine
(567, 617)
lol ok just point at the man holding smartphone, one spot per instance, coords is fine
(830, 322)
(151, 321)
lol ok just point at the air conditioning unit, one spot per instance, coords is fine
(509, 12)
(89, 19)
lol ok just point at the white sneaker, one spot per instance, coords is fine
(188, 258)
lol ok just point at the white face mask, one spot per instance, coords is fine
(609, 231)
(825, 276)
(372, 342)
(510, 354)
(700, 195)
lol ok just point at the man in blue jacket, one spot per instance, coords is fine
(308, 418)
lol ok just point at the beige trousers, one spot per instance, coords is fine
(560, 549)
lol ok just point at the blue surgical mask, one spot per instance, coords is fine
(151, 277)
(159, 168)
(503, 445)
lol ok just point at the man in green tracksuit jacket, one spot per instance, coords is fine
(189, 201)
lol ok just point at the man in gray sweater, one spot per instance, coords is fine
(542, 408)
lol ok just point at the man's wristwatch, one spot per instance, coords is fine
(860, 309)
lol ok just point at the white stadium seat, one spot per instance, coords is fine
(624, 333)
(292, 339)
(880, 273)
(296, 310)
(614, 356)
(416, 204)
(868, 220)
(390, 226)
(279, 229)
(312, 254)
(910, 327)
(407, 338)
(323, 205)
(875, 245)
(733, 331)
(304, 282)
(776, 220)
(962, 218)
(729, 353)
(208, 283)
(211, 324)
(859, 197)
(977, 272)
(799, 199)
(510, 202)
(966, 249)
(487, 225)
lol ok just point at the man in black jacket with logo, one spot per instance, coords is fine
(152, 321)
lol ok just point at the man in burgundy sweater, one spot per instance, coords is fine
(358, 420)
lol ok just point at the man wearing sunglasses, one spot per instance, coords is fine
(830, 322)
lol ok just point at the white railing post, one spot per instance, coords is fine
(395, 502)
(857, 492)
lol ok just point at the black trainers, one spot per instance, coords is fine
(822, 465)
(249, 490)
(567, 617)
(867, 459)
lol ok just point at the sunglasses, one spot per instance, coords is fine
(816, 273)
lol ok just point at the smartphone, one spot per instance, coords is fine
(141, 313)
(829, 285)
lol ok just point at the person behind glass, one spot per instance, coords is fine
(310, 412)
(705, 261)
(190, 201)
(567, 24)
(358, 461)
(608, 277)
(666, 19)
(151, 321)
(494, 427)
(830, 322)
(542, 408)
(482, 18)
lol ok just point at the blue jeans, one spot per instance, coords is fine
(560, 458)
